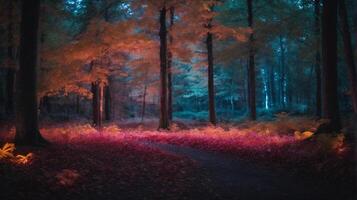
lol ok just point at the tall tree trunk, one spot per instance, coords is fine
(347, 42)
(318, 58)
(211, 92)
(164, 121)
(27, 128)
(245, 87)
(272, 86)
(329, 68)
(108, 102)
(10, 76)
(282, 75)
(231, 99)
(251, 66)
(355, 25)
(95, 103)
(107, 88)
(100, 104)
(169, 64)
(143, 108)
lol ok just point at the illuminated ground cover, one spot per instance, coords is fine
(85, 163)
(97, 167)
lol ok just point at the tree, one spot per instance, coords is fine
(143, 106)
(96, 85)
(251, 65)
(95, 104)
(27, 129)
(10, 77)
(211, 93)
(108, 101)
(164, 121)
(350, 60)
(169, 63)
(282, 80)
(198, 12)
(317, 57)
(330, 109)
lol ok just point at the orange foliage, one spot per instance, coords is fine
(106, 47)
(7, 154)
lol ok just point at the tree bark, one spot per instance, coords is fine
(95, 103)
(107, 103)
(100, 104)
(107, 88)
(347, 42)
(251, 66)
(318, 58)
(27, 128)
(164, 121)
(282, 75)
(211, 90)
(231, 99)
(329, 68)
(143, 108)
(272, 86)
(169, 64)
(10, 76)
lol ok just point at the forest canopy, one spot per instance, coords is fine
(219, 60)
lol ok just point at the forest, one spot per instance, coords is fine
(178, 99)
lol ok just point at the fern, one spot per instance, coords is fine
(7, 151)
(21, 159)
(7, 154)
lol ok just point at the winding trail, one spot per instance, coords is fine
(238, 179)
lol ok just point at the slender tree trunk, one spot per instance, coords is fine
(100, 104)
(95, 103)
(272, 86)
(355, 25)
(27, 128)
(10, 77)
(251, 66)
(287, 91)
(169, 64)
(108, 102)
(107, 88)
(245, 88)
(346, 36)
(329, 71)
(318, 58)
(231, 101)
(211, 92)
(143, 108)
(164, 121)
(282, 67)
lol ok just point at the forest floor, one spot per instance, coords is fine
(262, 160)
(238, 179)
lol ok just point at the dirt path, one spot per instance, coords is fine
(237, 179)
